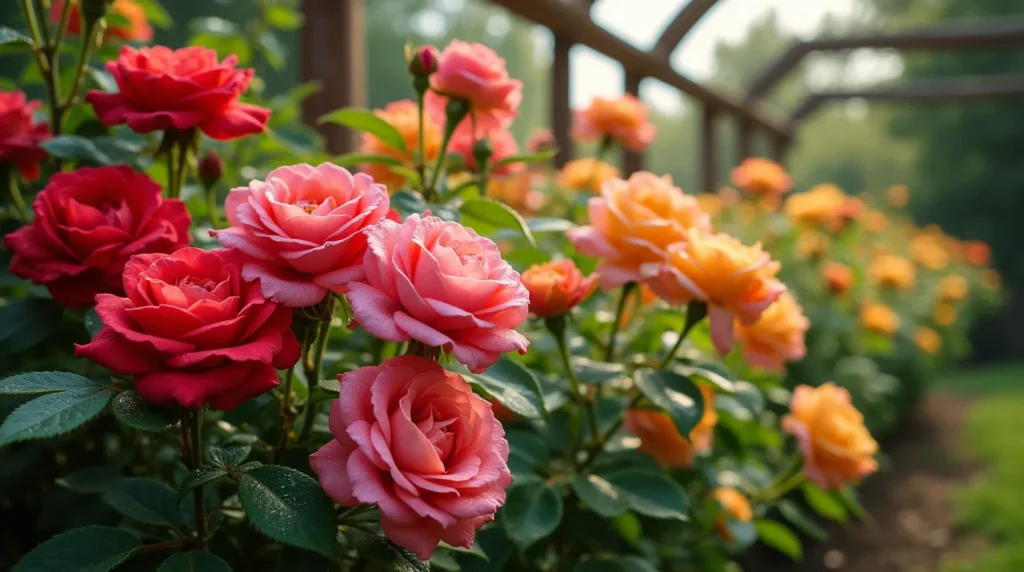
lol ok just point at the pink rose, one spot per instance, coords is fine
(441, 284)
(416, 441)
(503, 145)
(477, 74)
(303, 230)
(192, 331)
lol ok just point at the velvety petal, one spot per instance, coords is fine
(283, 285)
(420, 537)
(375, 312)
(114, 352)
(330, 464)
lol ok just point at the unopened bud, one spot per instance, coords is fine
(541, 140)
(211, 168)
(482, 151)
(423, 61)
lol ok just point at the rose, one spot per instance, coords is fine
(20, 135)
(192, 331)
(623, 120)
(879, 318)
(416, 441)
(476, 74)
(404, 117)
(838, 277)
(898, 196)
(777, 337)
(736, 281)
(439, 283)
(516, 190)
(836, 447)
(160, 88)
(927, 340)
(977, 252)
(88, 224)
(893, 271)
(660, 439)
(136, 27)
(503, 145)
(556, 287)
(303, 230)
(587, 174)
(735, 505)
(633, 222)
(821, 206)
(953, 288)
(760, 176)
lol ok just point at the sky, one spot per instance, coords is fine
(641, 21)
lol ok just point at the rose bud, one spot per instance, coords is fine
(556, 287)
(211, 167)
(424, 61)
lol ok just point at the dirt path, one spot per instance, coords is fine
(910, 502)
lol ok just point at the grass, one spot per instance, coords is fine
(992, 507)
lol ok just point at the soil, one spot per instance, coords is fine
(910, 503)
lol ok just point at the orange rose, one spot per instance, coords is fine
(776, 338)
(760, 176)
(898, 196)
(811, 245)
(879, 318)
(710, 203)
(647, 296)
(977, 252)
(737, 282)
(633, 222)
(837, 448)
(556, 287)
(928, 340)
(623, 119)
(944, 315)
(893, 272)
(929, 250)
(403, 116)
(838, 277)
(819, 207)
(660, 439)
(953, 288)
(735, 505)
(516, 191)
(136, 29)
(589, 174)
(875, 221)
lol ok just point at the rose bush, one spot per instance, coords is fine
(215, 355)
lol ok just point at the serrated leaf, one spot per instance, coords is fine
(496, 214)
(144, 500)
(131, 409)
(26, 322)
(383, 553)
(91, 480)
(230, 454)
(355, 159)
(197, 478)
(514, 386)
(194, 561)
(531, 512)
(650, 493)
(600, 495)
(678, 395)
(53, 414)
(87, 549)
(10, 37)
(289, 507)
(368, 122)
(40, 382)
(780, 537)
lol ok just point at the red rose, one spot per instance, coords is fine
(192, 331)
(88, 224)
(161, 88)
(19, 135)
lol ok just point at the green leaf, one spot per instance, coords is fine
(40, 382)
(780, 537)
(213, 25)
(356, 159)
(496, 214)
(383, 554)
(102, 79)
(98, 150)
(444, 560)
(91, 480)
(824, 503)
(650, 493)
(596, 372)
(197, 478)
(408, 203)
(600, 495)
(194, 561)
(87, 549)
(131, 409)
(791, 512)
(144, 500)
(230, 454)
(615, 563)
(273, 51)
(711, 376)
(411, 176)
(513, 386)
(26, 322)
(541, 225)
(531, 512)
(289, 507)
(10, 37)
(678, 395)
(53, 414)
(283, 17)
(530, 445)
(545, 155)
(366, 121)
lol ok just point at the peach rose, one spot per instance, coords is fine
(928, 250)
(735, 505)
(875, 221)
(660, 439)
(879, 318)
(303, 229)
(556, 287)
(944, 314)
(760, 176)
(477, 74)
(439, 283)
(953, 288)
(516, 190)
(928, 340)
(633, 222)
(838, 277)
(623, 119)
(776, 338)
(819, 207)
(403, 116)
(737, 282)
(837, 448)
(416, 441)
(586, 174)
(893, 271)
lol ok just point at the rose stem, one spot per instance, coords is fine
(695, 312)
(192, 453)
(609, 352)
(313, 370)
(556, 325)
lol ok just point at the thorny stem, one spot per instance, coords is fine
(192, 454)
(599, 444)
(609, 352)
(790, 477)
(313, 363)
(286, 416)
(556, 326)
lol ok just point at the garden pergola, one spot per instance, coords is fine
(334, 27)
